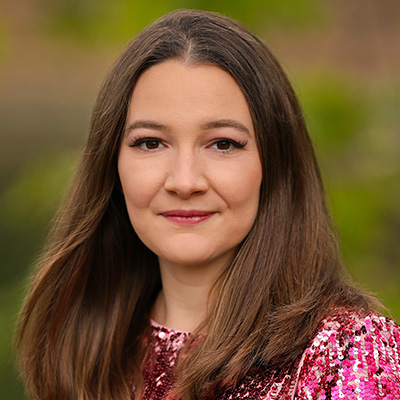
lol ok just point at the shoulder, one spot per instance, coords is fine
(353, 355)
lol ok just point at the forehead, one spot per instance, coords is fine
(174, 89)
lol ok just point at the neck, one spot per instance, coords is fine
(182, 302)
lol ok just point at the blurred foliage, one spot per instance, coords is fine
(10, 303)
(2, 40)
(26, 209)
(109, 21)
(335, 112)
(350, 128)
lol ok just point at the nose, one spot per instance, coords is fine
(185, 176)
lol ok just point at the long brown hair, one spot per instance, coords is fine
(83, 326)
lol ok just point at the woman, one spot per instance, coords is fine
(198, 207)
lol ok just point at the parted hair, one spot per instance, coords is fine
(83, 328)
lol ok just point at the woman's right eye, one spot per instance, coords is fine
(148, 144)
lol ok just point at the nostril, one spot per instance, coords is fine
(186, 181)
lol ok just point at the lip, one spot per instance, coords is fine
(187, 217)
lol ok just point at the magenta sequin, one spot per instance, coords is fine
(352, 356)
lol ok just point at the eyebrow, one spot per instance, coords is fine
(225, 123)
(147, 125)
(215, 124)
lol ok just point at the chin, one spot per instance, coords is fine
(199, 257)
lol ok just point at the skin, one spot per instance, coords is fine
(191, 175)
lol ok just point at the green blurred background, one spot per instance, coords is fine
(342, 57)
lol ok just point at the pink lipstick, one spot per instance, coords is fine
(187, 217)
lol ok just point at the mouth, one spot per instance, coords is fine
(187, 217)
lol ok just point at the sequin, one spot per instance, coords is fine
(352, 356)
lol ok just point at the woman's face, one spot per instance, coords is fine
(189, 165)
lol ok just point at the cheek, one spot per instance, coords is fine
(242, 190)
(139, 184)
(140, 193)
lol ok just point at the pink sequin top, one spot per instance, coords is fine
(352, 356)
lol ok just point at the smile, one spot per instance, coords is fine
(187, 217)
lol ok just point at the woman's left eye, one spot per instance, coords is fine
(225, 145)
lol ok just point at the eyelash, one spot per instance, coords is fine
(140, 141)
(232, 143)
